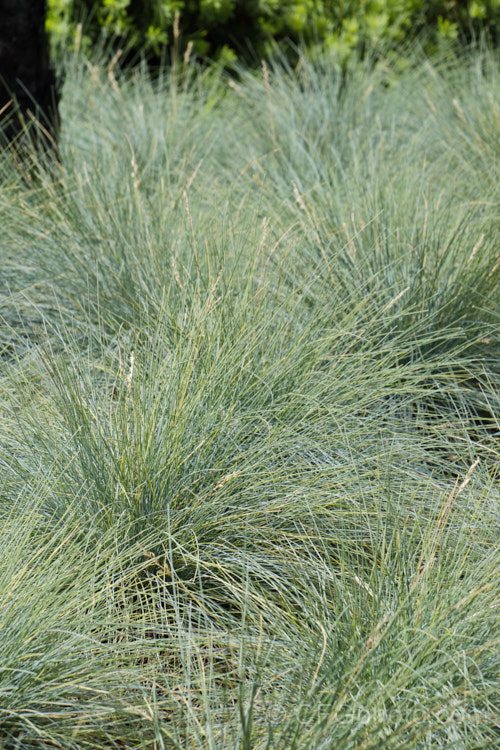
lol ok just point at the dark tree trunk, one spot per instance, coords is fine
(28, 92)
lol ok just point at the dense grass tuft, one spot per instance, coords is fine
(249, 399)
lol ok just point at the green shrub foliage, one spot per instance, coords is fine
(227, 30)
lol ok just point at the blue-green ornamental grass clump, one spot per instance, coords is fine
(249, 399)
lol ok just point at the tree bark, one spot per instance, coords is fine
(28, 94)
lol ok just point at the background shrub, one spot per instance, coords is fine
(225, 30)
